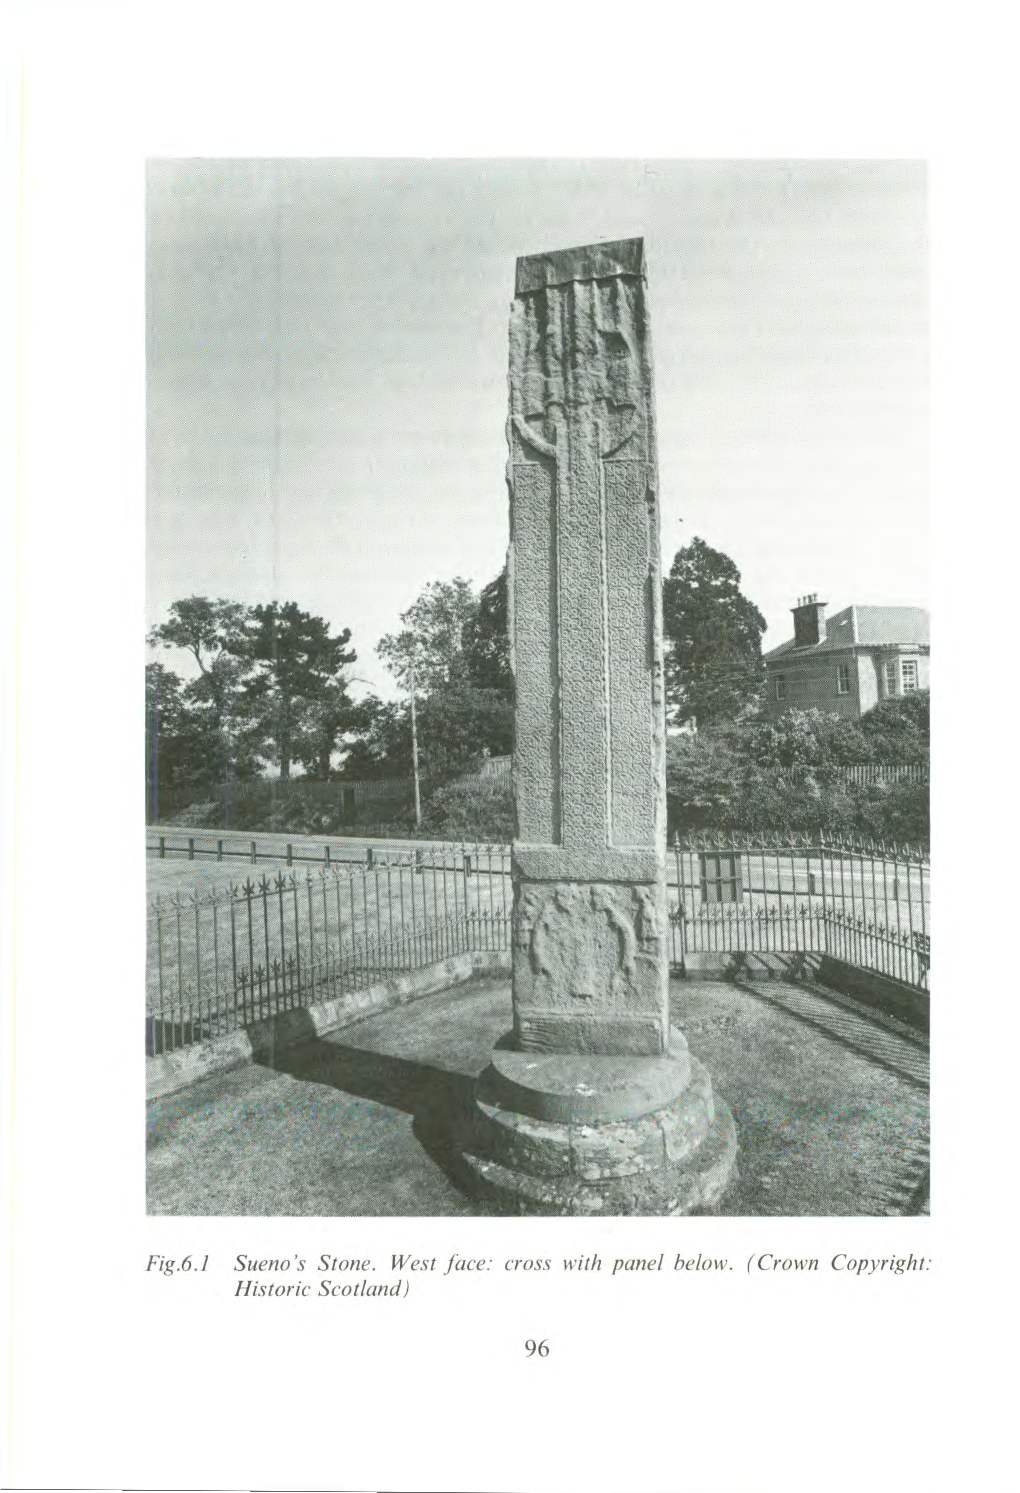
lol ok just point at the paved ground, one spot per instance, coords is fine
(831, 1110)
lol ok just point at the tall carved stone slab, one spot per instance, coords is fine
(592, 1104)
(590, 970)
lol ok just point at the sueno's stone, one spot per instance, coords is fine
(589, 955)
(590, 1104)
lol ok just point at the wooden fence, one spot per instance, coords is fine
(862, 774)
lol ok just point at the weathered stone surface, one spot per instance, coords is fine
(586, 1089)
(586, 628)
(622, 1178)
(592, 1105)
(589, 964)
(592, 1150)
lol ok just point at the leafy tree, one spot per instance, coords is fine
(185, 753)
(323, 723)
(381, 745)
(486, 640)
(164, 759)
(213, 633)
(703, 781)
(714, 667)
(297, 667)
(456, 644)
(431, 640)
(458, 725)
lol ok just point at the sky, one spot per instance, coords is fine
(327, 366)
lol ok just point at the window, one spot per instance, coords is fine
(909, 667)
(843, 679)
(780, 686)
(892, 674)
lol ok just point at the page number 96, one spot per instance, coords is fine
(539, 1350)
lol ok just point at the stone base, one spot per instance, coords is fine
(570, 1134)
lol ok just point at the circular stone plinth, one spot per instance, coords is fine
(694, 1185)
(579, 1133)
(594, 1152)
(585, 1088)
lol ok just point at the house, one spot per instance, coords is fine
(849, 662)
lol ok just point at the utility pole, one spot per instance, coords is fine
(414, 755)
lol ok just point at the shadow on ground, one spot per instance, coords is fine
(435, 1098)
(831, 1110)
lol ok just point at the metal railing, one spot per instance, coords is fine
(232, 952)
(858, 900)
(276, 849)
(225, 955)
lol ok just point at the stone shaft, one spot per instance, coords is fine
(590, 961)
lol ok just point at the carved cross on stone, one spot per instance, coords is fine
(592, 1104)
(586, 639)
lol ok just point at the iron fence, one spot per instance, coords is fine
(225, 955)
(235, 951)
(861, 901)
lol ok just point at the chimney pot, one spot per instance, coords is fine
(808, 621)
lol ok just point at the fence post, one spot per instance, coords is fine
(254, 852)
(290, 855)
(681, 904)
(162, 847)
(191, 847)
(369, 861)
(219, 850)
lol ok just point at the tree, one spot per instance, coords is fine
(454, 645)
(714, 667)
(432, 638)
(296, 666)
(213, 633)
(458, 725)
(486, 640)
(167, 759)
(184, 749)
(322, 723)
(202, 724)
(381, 747)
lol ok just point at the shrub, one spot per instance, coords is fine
(894, 811)
(299, 806)
(703, 781)
(470, 809)
(807, 738)
(899, 731)
(198, 816)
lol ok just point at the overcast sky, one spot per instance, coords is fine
(327, 361)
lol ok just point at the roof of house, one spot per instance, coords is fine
(874, 627)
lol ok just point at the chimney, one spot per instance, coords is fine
(808, 621)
